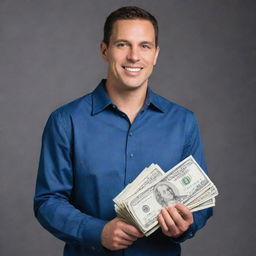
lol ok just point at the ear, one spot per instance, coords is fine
(104, 51)
(156, 54)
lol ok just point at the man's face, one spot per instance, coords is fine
(131, 53)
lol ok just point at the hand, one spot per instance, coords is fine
(117, 234)
(175, 220)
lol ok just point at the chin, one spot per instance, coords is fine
(134, 85)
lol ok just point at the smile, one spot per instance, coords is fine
(135, 69)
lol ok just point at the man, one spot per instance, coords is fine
(93, 147)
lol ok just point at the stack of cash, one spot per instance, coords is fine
(142, 200)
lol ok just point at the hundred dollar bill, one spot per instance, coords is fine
(207, 204)
(182, 184)
(208, 194)
(204, 205)
(146, 178)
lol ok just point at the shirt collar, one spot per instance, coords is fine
(101, 100)
(153, 100)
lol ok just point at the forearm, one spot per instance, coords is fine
(67, 223)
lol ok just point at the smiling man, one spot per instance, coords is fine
(94, 146)
(131, 53)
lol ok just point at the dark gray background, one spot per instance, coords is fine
(49, 56)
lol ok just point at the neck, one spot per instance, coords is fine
(129, 101)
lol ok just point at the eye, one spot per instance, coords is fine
(145, 46)
(121, 45)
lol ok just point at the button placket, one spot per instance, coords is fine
(130, 133)
(130, 154)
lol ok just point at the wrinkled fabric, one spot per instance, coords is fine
(90, 152)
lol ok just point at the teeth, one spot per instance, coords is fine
(132, 69)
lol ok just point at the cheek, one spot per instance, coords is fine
(115, 62)
(151, 60)
(114, 67)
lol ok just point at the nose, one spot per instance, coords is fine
(133, 55)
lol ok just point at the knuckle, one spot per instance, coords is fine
(183, 228)
(169, 208)
(137, 234)
(119, 223)
(115, 233)
(115, 240)
(116, 246)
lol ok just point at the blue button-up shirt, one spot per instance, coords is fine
(91, 151)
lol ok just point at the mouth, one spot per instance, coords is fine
(132, 69)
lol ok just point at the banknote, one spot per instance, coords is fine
(148, 176)
(142, 200)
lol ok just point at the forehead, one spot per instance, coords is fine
(138, 29)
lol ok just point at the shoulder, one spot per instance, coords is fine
(172, 108)
(64, 116)
(73, 108)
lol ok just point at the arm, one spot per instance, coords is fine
(52, 203)
(184, 226)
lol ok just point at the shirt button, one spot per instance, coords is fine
(130, 133)
(131, 155)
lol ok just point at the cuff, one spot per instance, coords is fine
(91, 234)
(186, 235)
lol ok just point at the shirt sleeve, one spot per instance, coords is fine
(53, 197)
(194, 147)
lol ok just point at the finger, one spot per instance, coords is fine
(162, 223)
(129, 229)
(124, 242)
(185, 213)
(178, 220)
(127, 237)
(169, 222)
(120, 246)
(132, 231)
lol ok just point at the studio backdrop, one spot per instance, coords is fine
(49, 56)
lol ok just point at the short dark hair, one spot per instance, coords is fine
(128, 13)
